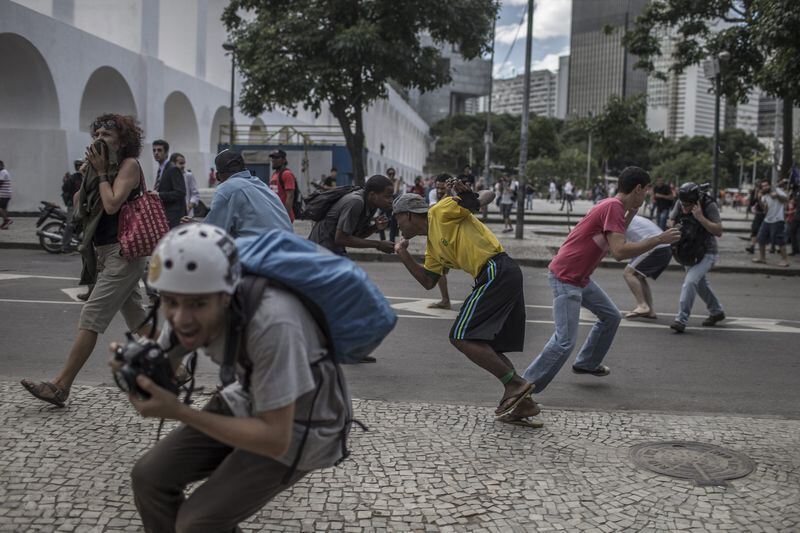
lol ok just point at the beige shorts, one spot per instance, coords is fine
(116, 289)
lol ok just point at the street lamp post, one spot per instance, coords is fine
(714, 70)
(523, 133)
(230, 47)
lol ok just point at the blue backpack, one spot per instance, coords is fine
(351, 311)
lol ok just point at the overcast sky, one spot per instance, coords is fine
(551, 21)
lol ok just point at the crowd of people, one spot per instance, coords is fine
(255, 437)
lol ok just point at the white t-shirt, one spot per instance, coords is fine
(640, 229)
(5, 184)
(568, 188)
(433, 197)
(774, 207)
(552, 186)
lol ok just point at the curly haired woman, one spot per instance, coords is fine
(111, 180)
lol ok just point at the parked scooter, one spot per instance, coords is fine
(51, 233)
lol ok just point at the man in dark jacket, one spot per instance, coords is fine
(169, 184)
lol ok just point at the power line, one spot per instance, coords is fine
(516, 36)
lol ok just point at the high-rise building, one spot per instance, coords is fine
(683, 104)
(470, 80)
(599, 65)
(508, 94)
(562, 86)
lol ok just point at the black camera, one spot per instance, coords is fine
(145, 357)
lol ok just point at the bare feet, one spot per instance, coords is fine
(440, 305)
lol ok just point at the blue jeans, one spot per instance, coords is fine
(697, 283)
(661, 218)
(567, 302)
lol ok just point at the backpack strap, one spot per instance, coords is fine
(244, 305)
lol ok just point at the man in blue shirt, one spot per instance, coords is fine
(243, 205)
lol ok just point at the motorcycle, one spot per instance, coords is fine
(51, 234)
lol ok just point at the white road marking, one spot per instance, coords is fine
(755, 325)
(62, 302)
(5, 277)
(73, 292)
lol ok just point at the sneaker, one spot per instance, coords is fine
(750, 249)
(678, 327)
(713, 319)
(368, 359)
(600, 371)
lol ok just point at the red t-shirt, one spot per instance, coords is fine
(286, 182)
(586, 245)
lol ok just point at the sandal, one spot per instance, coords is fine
(47, 392)
(505, 407)
(759, 260)
(521, 421)
(439, 305)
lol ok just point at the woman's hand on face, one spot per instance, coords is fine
(97, 160)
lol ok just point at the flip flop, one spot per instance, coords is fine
(521, 422)
(760, 261)
(47, 392)
(439, 305)
(526, 392)
(636, 314)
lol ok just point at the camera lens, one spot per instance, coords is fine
(121, 378)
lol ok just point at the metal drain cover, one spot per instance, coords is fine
(705, 464)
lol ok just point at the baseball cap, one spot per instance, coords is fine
(410, 203)
(229, 161)
(277, 153)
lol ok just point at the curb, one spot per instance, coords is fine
(535, 263)
(542, 263)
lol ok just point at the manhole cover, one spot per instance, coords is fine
(705, 464)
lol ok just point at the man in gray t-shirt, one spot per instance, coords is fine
(348, 223)
(705, 211)
(250, 442)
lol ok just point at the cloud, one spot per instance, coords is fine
(550, 61)
(551, 18)
(505, 70)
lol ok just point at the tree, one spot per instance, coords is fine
(343, 53)
(761, 37)
(684, 167)
(620, 134)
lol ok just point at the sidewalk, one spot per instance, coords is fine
(540, 243)
(421, 467)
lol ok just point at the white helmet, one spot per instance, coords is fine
(195, 259)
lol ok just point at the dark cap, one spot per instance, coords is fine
(229, 161)
(277, 153)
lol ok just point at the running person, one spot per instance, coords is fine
(492, 319)
(602, 229)
(648, 265)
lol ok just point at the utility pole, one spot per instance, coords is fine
(523, 134)
(230, 47)
(487, 137)
(589, 157)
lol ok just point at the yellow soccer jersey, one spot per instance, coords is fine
(457, 240)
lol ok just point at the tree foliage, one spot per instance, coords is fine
(761, 37)
(620, 134)
(341, 53)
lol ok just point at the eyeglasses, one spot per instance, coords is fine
(107, 124)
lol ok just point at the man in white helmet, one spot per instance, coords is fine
(247, 442)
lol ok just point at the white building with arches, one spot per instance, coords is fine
(63, 62)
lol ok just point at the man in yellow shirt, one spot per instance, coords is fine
(492, 318)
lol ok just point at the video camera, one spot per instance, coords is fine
(143, 357)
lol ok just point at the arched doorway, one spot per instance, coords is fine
(180, 130)
(29, 121)
(106, 91)
(221, 117)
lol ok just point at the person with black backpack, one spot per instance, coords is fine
(697, 216)
(284, 409)
(347, 222)
(284, 184)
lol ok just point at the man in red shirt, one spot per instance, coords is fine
(282, 181)
(600, 231)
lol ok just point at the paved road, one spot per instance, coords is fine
(747, 366)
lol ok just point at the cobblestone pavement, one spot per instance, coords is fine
(421, 467)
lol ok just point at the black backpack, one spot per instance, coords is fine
(317, 204)
(693, 245)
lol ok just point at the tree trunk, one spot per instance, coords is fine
(354, 140)
(786, 160)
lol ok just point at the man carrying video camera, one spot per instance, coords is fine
(250, 442)
(697, 216)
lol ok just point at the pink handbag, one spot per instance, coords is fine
(142, 223)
